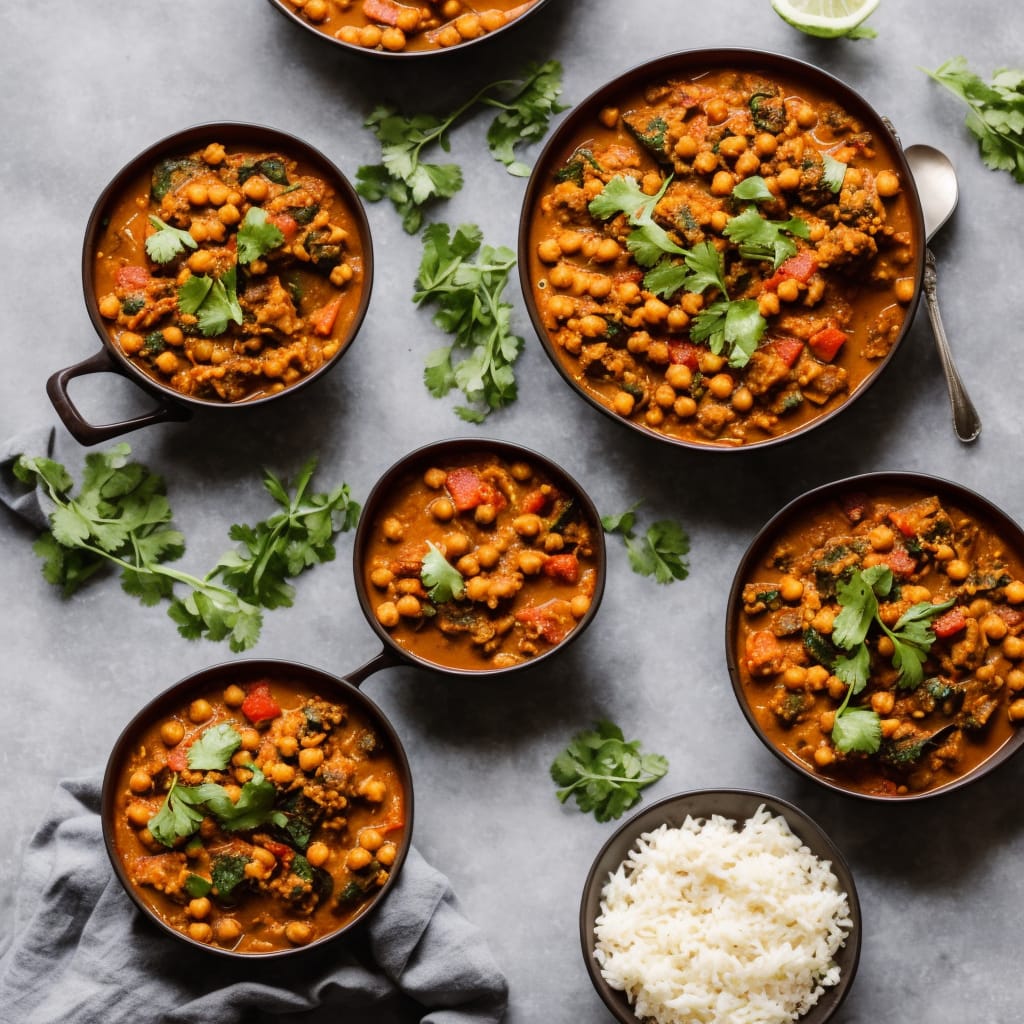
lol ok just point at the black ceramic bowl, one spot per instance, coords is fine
(178, 697)
(824, 514)
(172, 404)
(588, 122)
(326, 27)
(412, 467)
(737, 805)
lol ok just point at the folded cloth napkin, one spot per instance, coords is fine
(31, 505)
(82, 953)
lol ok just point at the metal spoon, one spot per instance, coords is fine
(936, 183)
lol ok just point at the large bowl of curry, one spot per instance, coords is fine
(387, 28)
(258, 808)
(875, 635)
(225, 265)
(721, 248)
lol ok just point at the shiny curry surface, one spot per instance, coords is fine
(329, 808)
(830, 312)
(271, 314)
(970, 700)
(394, 27)
(522, 547)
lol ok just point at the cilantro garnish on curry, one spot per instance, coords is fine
(880, 640)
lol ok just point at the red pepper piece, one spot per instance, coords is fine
(131, 278)
(324, 318)
(285, 223)
(900, 562)
(468, 489)
(384, 12)
(684, 353)
(949, 624)
(177, 759)
(907, 525)
(827, 343)
(536, 501)
(552, 620)
(565, 568)
(787, 349)
(259, 704)
(799, 267)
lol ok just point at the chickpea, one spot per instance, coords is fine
(722, 183)
(827, 721)
(442, 509)
(449, 36)
(836, 688)
(370, 839)
(790, 588)
(678, 376)
(233, 696)
(665, 396)
(883, 702)
(140, 782)
(765, 144)
(282, 773)
(1014, 592)
(903, 289)
(623, 403)
(654, 416)
(1015, 679)
(488, 556)
(392, 529)
(477, 588)
(530, 562)
(993, 626)
(717, 110)
(256, 188)
(408, 607)
(392, 38)
(456, 544)
(214, 154)
(599, 286)
(527, 525)
(655, 311)
(381, 577)
(199, 908)
(287, 746)
(705, 162)
(549, 251)
(788, 290)
(1013, 647)
(732, 145)
(677, 320)
(227, 929)
(592, 326)
(823, 621)
(317, 854)
(806, 116)
(561, 307)
(200, 931)
(747, 164)
(408, 20)
(386, 854)
(374, 790)
(627, 292)
(824, 756)
(885, 647)
(138, 815)
(768, 304)
(794, 677)
(166, 362)
(817, 676)
(387, 614)
(684, 407)
(719, 219)
(435, 478)
(721, 385)
(881, 538)
(743, 399)
(485, 514)
(710, 363)
(200, 711)
(131, 343)
(241, 758)
(579, 605)
(251, 739)
(788, 179)
(110, 306)
(229, 214)
(560, 276)
(887, 184)
(493, 19)
(686, 147)
(957, 570)
(369, 36)
(1016, 711)
(298, 933)
(358, 858)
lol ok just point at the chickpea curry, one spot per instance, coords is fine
(721, 258)
(479, 563)
(394, 27)
(259, 817)
(229, 273)
(879, 640)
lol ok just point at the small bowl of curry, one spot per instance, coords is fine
(478, 556)
(386, 28)
(258, 808)
(875, 636)
(721, 248)
(225, 265)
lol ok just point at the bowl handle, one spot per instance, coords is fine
(386, 659)
(87, 433)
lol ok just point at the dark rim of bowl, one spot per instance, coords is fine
(374, 53)
(693, 61)
(232, 133)
(869, 483)
(422, 458)
(222, 675)
(738, 804)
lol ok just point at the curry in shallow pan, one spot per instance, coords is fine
(721, 255)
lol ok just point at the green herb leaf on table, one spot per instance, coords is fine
(443, 581)
(257, 236)
(121, 517)
(213, 750)
(468, 296)
(659, 552)
(603, 772)
(167, 241)
(996, 114)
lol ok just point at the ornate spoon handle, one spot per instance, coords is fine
(966, 421)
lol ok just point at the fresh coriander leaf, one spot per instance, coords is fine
(603, 772)
(178, 816)
(443, 581)
(857, 729)
(621, 523)
(227, 872)
(252, 809)
(853, 669)
(167, 241)
(758, 238)
(192, 294)
(730, 328)
(755, 189)
(648, 242)
(213, 750)
(525, 117)
(659, 553)
(858, 609)
(257, 236)
(996, 112)
(834, 172)
(468, 296)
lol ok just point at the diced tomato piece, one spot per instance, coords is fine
(324, 319)
(855, 506)
(901, 563)
(384, 12)
(787, 349)
(907, 525)
(684, 353)
(950, 623)
(565, 568)
(799, 267)
(765, 656)
(285, 223)
(131, 278)
(468, 490)
(536, 501)
(259, 704)
(552, 620)
(827, 343)
(177, 759)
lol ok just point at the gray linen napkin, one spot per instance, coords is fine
(81, 953)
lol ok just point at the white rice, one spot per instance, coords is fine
(713, 924)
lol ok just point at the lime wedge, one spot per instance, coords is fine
(826, 19)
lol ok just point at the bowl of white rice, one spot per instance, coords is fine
(721, 907)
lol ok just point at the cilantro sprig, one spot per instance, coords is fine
(468, 296)
(996, 114)
(213, 301)
(659, 552)
(443, 581)
(167, 241)
(121, 516)
(604, 772)
(257, 236)
(409, 181)
(859, 729)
